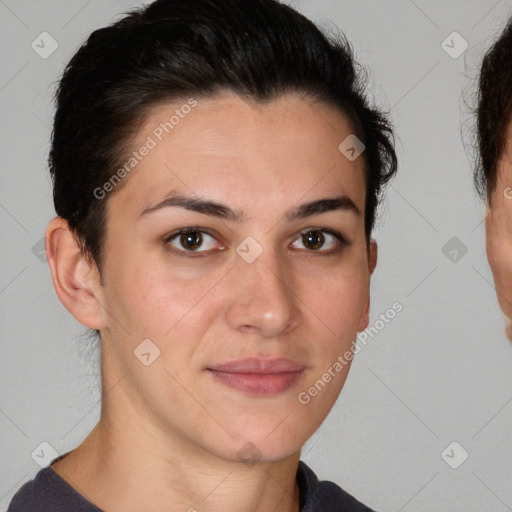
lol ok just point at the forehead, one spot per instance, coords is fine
(253, 153)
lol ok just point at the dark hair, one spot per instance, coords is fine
(494, 111)
(173, 49)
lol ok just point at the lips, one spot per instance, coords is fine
(263, 377)
(257, 365)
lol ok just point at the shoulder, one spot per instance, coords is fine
(324, 496)
(48, 492)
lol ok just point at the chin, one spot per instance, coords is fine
(250, 453)
(265, 445)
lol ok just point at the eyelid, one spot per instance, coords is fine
(191, 229)
(334, 232)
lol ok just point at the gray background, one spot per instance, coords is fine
(440, 371)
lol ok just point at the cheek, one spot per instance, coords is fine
(499, 251)
(151, 299)
(339, 300)
(499, 254)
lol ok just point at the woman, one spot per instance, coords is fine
(217, 170)
(493, 175)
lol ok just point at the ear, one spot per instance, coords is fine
(372, 263)
(75, 276)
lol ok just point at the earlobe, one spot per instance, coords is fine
(372, 263)
(75, 276)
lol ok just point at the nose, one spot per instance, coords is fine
(263, 298)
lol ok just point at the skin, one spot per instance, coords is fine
(170, 434)
(499, 232)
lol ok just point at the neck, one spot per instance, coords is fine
(128, 465)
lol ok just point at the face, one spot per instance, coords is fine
(499, 231)
(237, 246)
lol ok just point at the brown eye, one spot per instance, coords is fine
(313, 239)
(326, 241)
(191, 241)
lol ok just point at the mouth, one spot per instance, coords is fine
(259, 377)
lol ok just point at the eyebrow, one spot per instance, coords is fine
(206, 207)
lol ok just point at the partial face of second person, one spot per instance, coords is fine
(499, 231)
(202, 304)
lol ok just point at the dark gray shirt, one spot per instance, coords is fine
(48, 492)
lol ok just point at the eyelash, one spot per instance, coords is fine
(343, 242)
